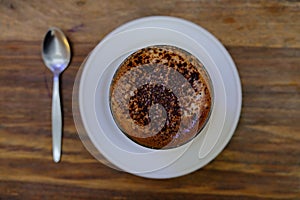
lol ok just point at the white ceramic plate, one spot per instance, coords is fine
(229, 74)
(214, 51)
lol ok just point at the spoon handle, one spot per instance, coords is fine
(56, 120)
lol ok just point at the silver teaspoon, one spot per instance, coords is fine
(56, 54)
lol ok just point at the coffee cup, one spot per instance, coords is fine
(161, 97)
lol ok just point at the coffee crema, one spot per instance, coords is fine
(161, 96)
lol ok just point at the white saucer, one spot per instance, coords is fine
(190, 161)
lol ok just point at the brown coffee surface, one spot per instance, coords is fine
(161, 96)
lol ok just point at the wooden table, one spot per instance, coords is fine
(262, 161)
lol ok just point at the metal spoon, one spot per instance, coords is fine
(56, 54)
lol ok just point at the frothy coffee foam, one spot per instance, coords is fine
(161, 97)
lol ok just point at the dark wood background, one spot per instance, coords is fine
(262, 161)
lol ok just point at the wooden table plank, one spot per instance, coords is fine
(235, 23)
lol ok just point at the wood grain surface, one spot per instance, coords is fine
(262, 161)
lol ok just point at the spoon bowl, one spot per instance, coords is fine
(56, 50)
(56, 54)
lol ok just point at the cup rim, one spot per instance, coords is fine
(204, 73)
